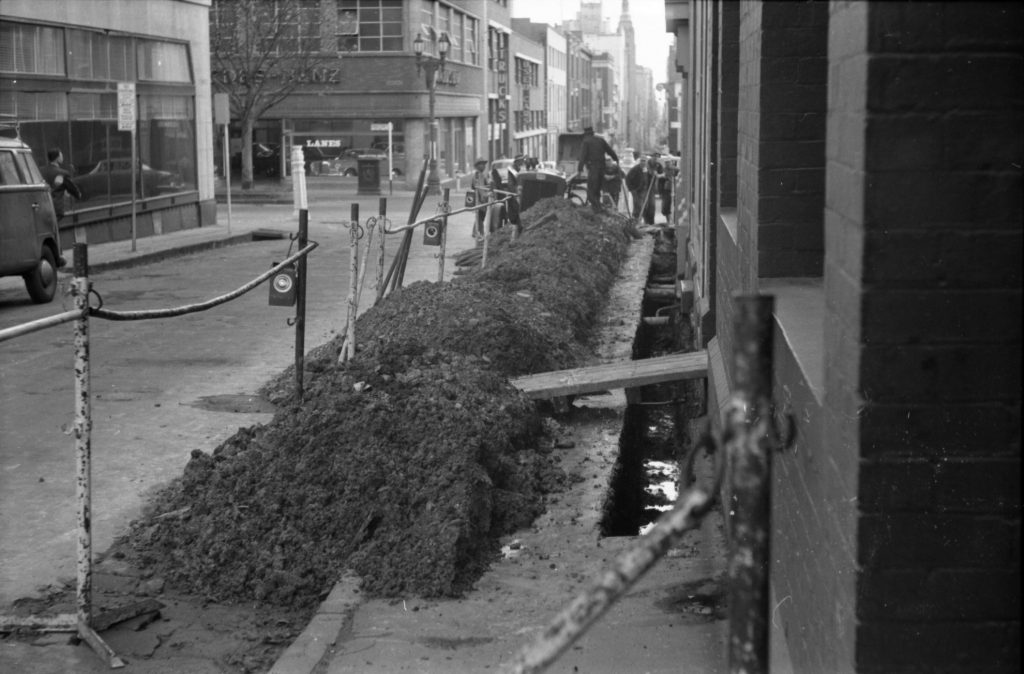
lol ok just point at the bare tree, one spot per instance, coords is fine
(262, 50)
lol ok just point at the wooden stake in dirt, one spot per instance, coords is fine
(487, 233)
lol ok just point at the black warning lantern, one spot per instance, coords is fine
(432, 230)
(282, 287)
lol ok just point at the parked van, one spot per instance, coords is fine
(29, 239)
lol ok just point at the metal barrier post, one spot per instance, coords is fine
(750, 424)
(80, 288)
(444, 232)
(300, 305)
(350, 339)
(382, 212)
(487, 231)
(83, 426)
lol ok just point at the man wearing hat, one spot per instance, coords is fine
(481, 186)
(592, 152)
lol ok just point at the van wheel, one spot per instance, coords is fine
(41, 282)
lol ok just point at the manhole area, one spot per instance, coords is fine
(235, 402)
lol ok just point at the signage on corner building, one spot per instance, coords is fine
(448, 78)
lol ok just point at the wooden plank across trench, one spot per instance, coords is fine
(625, 374)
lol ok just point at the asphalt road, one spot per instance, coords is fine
(147, 378)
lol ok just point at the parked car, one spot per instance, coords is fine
(550, 167)
(348, 162)
(29, 239)
(266, 160)
(114, 176)
(502, 167)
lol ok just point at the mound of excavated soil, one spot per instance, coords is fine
(409, 462)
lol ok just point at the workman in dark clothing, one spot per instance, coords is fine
(639, 180)
(59, 180)
(592, 152)
(614, 176)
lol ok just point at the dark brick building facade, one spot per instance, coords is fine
(861, 161)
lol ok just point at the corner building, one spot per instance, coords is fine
(60, 67)
(370, 78)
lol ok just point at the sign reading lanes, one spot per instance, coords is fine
(126, 113)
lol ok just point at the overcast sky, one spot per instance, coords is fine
(648, 21)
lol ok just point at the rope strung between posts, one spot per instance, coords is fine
(576, 619)
(466, 209)
(99, 312)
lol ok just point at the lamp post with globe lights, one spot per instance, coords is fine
(431, 66)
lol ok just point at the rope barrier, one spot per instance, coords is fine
(465, 209)
(588, 607)
(202, 306)
(575, 619)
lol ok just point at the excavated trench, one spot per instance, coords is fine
(655, 439)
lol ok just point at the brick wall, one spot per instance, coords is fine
(791, 181)
(924, 257)
(940, 364)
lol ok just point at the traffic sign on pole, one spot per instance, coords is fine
(126, 111)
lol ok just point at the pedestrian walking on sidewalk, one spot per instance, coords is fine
(59, 180)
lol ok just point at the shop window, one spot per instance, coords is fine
(370, 25)
(31, 49)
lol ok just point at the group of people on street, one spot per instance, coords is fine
(646, 180)
(486, 184)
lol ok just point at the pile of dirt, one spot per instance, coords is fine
(408, 463)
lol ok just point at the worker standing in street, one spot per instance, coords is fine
(592, 153)
(481, 187)
(612, 181)
(640, 181)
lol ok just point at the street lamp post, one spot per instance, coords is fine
(431, 66)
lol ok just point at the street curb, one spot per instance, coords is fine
(160, 255)
(332, 617)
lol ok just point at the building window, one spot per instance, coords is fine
(163, 61)
(370, 25)
(462, 30)
(31, 49)
(300, 27)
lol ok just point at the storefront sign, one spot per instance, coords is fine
(448, 78)
(318, 75)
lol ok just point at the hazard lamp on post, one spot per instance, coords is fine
(431, 66)
(432, 231)
(282, 287)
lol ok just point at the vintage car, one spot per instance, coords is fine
(113, 177)
(29, 239)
